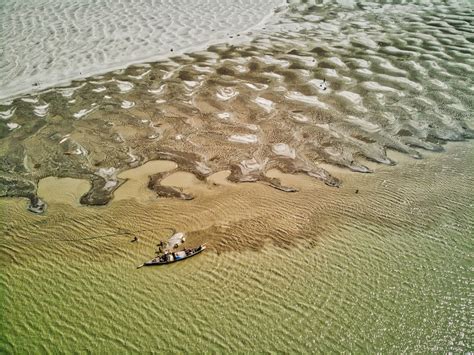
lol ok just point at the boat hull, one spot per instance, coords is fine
(156, 263)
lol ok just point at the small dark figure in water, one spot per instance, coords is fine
(357, 191)
(135, 239)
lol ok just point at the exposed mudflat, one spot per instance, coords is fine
(241, 146)
(320, 84)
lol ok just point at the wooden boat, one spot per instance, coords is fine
(172, 257)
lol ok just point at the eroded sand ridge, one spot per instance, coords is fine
(339, 87)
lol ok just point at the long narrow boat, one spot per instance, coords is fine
(169, 258)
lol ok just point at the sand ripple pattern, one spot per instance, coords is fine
(49, 42)
(342, 87)
(387, 269)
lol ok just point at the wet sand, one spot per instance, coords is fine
(218, 203)
(62, 190)
(340, 88)
(352, 112)
(135, 186)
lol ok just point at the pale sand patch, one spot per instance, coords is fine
(83, 112)
(311, 100)
(136, 186)
(5, 115)
(139, 77)
(331, 72)
(354, 99)
(243, 138)
(12, 125)
(284, 150)
(364, 125)
(364, 71)
(372, 85)
(41, 110)
(267, 105)
(62, 190)
(337, 61)
(267, 59)
(257, 86)
(225, 94)
(124, 86)
(127, 104)
(32, 100)
(157, 91)
(224, 115)
(300, 117)
(365, 40)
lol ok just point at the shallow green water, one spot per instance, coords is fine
(388, 269)
(390, 272)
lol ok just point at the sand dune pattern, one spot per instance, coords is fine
(319, 84)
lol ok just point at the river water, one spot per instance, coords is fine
(332, 90)
(386, 269)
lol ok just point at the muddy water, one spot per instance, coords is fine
(382, 263)
(385, 269)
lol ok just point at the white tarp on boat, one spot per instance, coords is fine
(176, 239)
